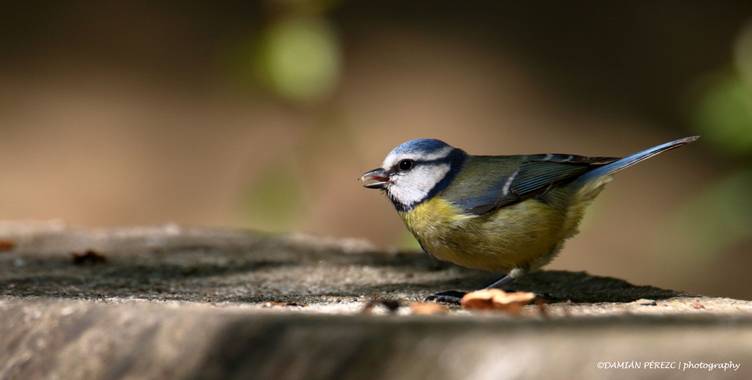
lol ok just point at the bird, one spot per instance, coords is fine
(508, 214)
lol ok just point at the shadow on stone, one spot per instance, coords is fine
(278, 270)
(582, 287)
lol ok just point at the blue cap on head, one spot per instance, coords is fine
(420, 150)
(420, 146)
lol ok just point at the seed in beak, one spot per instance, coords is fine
(375, 179)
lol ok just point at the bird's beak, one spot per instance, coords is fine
(375, 179)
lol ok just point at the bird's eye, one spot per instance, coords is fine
(406, 165)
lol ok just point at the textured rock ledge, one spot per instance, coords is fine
(198, 303)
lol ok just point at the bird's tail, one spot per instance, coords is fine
(588, 185)
(632, 159)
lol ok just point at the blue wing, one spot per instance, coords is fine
(486, 183)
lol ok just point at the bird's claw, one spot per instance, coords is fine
(452, 297)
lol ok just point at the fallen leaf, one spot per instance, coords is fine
(427, 308)
(496, 299)
(89, 257)
(6, 245)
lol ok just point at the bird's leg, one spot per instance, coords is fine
(508, 278)
(500, 282)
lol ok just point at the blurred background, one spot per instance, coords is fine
(263, 114)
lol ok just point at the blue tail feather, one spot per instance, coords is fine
(633, 159)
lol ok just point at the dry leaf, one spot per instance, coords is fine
(427, 308)
(6, 245)
(496, 299)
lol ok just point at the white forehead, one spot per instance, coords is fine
(396, 156)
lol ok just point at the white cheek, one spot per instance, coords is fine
(414, 186)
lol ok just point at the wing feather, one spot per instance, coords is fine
(487, 183)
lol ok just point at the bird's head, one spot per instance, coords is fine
(415, 171)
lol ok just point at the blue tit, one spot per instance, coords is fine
(505, 214)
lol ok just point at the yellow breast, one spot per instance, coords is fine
(511, 237)
(433, 216)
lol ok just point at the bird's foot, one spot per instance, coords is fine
(449, 296)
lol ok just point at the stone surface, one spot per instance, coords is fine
(172, 302)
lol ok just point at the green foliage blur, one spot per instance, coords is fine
(722, 114)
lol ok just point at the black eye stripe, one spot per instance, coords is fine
(416, 163)
(428, 162)
(453, 156)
